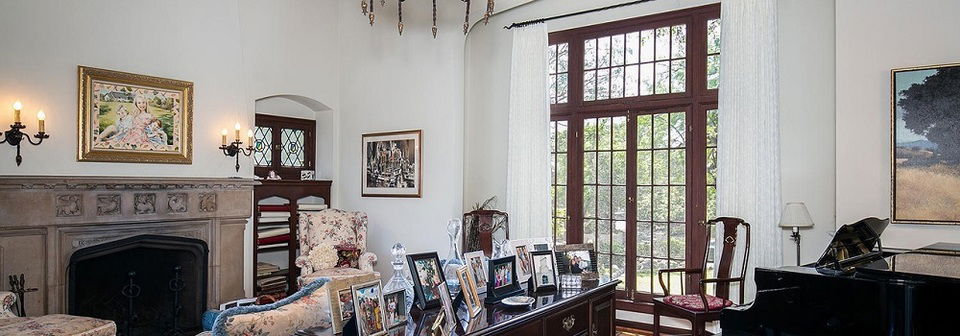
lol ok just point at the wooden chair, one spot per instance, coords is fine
(700, 307)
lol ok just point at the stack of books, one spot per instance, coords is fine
(311, 207)
(273, 230)
(270, 278)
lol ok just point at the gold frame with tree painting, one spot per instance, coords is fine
(369, 322)
(469, 289)
(125, 117)
(925, 146)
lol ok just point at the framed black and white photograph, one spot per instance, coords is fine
(502, 279)
(925, 153)
(392, 164)
(427, 274)
(544, 276)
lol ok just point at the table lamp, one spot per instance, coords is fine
(796, 216)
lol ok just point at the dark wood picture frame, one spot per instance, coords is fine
(417, 137)
(535, 274)
(495, 294)
(423, 295)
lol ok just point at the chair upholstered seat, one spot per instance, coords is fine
(57, 325)
(336, 273)
(695, 303)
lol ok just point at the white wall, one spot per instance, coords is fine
(401, 83)
(45, 40)
(807, 98)
(872, 38)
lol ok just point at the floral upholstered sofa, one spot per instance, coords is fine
(307, 308)
(321, 234)
(50, 325)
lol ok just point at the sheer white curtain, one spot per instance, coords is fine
(528, 159)
(748, 181)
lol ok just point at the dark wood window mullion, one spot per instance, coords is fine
(575, 182)
(631, 219)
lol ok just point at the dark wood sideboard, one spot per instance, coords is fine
(587, 311)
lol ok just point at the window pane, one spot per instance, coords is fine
(603, 167)
(619, 211)
(562, 88)
(553, 89)
(713, 36)
(677, 129)
(590, 54)
(660, 166)
(617, 50)
(619, 271)
(603, 52)
(644, 167)
(679, 41)
(678, 166)
(712, 123)
(562, 136)
(562, 57)
(678, 76)
(616, 82)
(603, 236)
(619, 238)
(713, 72)
(292, 141)
(263, 146)
(677, 204)
(644, 239)
(711, 202)
(603, 84)
(631, 82)
(561, 169)
(589, 85)
(677, 241)
(632, 45)
(619, 168)
(619, 133)
(646, 79)
(711, 165)
(552, 59)
(589, 231)
(589, 202)
(646, 46)
(603, 133)
(645, 131)
(590, 168)
(660, 249)
(644, 203)
(660, 130)
(663, 43)
(590, 134)
(644, 275)
(663, 77)
(660, 204)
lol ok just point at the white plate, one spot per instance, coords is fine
(518, 301)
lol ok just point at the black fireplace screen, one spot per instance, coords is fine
(147, 284)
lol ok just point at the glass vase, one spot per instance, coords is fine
(399, 280)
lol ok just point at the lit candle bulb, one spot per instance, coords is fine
(16, 111)
(41, 118)
(250, 137)
(237, 132)
(223, 137)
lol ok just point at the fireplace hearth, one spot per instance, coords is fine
(147, 284)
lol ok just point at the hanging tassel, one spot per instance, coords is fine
(486, 16)
(466, 20)
(372, 17)
(400, 15)
(363, 6)
(434, 18)
(383, 3)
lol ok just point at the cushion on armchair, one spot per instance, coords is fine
(695, 303)
(321, 231)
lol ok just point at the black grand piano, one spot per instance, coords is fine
(856, 288)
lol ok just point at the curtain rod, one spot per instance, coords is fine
(550, 18)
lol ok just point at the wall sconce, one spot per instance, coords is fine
(233, 149)
(14, 136)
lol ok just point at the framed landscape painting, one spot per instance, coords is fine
(925, 153)
(391, 163)
(127, 117)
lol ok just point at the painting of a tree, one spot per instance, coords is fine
(926, 141)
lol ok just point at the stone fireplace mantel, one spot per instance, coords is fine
(44, 219)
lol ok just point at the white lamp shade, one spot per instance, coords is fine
(795, 215)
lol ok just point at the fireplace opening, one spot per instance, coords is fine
(147, 284)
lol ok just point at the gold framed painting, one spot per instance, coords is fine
(925, 146)
(125, 117)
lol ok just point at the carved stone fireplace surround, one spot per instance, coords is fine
(44, 219)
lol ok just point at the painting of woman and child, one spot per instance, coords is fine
(134, 118)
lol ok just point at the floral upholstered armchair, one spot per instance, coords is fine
(327, 238)
(49, 325)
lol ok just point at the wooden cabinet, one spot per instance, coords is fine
(603, 316)
(573, 321)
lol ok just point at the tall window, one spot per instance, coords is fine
(633, 143)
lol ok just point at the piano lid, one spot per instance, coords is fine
(852, 243)
(940, 260)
